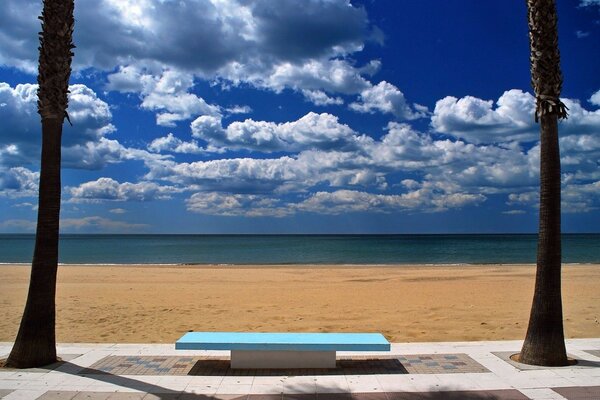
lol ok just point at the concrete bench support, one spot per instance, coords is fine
(251, 359)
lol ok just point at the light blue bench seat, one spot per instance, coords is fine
(282, 350)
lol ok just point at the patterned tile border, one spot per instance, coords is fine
(440, 364)
(218, 366)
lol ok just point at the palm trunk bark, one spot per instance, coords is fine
(36, 344)
(545, 341)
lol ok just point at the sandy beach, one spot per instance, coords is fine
(157, 304)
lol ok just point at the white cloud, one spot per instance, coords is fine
(117, 211)
(476, 120)
(172, 144)
(387, 98)
(211, 39)
(99, 224)
(109, 189)
(595, 98)
(238, 110)
(325, 75)
(320, 98)
(19, 182)
(321, 131)
(84, 143)
(514, 212)
(167, 93)
(581, 34)
(247, 205)
(17, 225)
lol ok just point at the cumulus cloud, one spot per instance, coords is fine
(99, 224)
(313, 130)
(228, 35)
(17, 225)
(19, 182)
(248, 205)
(320, 98)
(172, 144)
(167, 93)
(238, 110)
(83, 142)
(595, 98)
(332, 203)
(387, 98)
(477, 121)
(109, 189)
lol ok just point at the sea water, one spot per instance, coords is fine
(300, 249)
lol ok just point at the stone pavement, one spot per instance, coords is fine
(411, 371)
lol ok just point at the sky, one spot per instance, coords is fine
(300, 116)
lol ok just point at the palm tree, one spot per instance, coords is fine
(35, 344)
(545, 341)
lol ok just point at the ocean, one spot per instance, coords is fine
(300, 249)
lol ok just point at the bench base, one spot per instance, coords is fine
(265, 359)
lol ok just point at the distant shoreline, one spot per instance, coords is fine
(301, 265)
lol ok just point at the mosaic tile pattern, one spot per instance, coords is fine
(440, 364)
(216, 366)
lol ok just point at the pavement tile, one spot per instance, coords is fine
(579, 393)
(92, 396)
(299, 396)
(24, 394)
(258, 389)
(542, 394)
(265, 396)
(334, 396)
(58, 395)
(460, 395)
(234, 389)
(162, 396)
(126, 396)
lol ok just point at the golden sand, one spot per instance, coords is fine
(157, 304)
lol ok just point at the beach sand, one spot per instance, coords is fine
(157, 304)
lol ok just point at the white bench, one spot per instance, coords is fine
(282, 350)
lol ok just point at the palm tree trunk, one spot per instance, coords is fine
(545, 341)
(36, 344)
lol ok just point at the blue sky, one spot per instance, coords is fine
(312, 116)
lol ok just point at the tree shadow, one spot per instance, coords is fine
(161, 393)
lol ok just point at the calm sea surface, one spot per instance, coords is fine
(300, 249)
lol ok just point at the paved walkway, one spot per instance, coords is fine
(411, 371)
